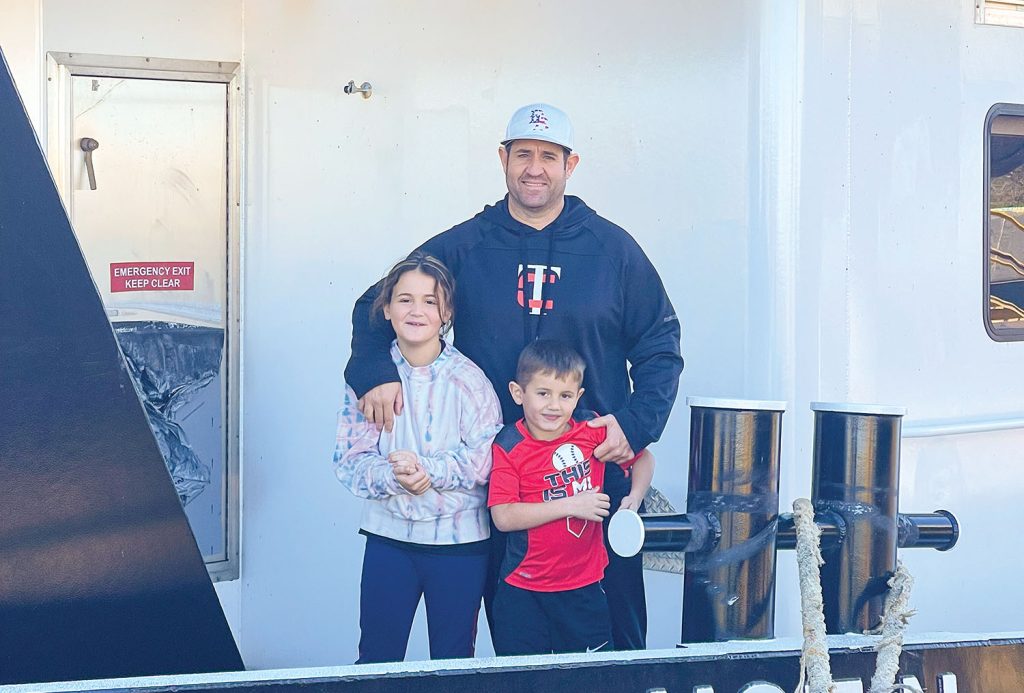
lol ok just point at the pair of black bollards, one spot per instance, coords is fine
(732, 527)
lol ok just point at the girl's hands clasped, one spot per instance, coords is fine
(409, 472)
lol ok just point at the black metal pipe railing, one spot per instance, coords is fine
(832, 527)
(630, 534)
(938, 530)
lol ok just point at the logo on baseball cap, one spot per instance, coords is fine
(540, 121)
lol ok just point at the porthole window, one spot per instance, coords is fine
(1004, 222)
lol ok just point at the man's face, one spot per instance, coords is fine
(548, 402)
(535, 173)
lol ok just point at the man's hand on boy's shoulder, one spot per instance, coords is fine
(615, 447)
(590, 504)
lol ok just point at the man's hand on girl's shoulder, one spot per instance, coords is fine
(382, 404)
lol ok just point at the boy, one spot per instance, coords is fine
(545, 490)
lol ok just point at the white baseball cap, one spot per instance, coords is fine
(540, 121)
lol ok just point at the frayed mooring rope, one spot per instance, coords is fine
(814, 663)
(895, 616)
(815, 669)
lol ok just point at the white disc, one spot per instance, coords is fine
(626, 533)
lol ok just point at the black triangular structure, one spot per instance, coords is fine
(99, 573)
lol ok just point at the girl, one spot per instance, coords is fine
(425, 518)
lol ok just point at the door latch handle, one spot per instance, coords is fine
(89, 145)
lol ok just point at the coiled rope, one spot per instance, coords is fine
(815, 670)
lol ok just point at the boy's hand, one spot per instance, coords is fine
(631, 503)
(590, 505)
(615, 447)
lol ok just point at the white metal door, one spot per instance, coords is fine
(147, 170)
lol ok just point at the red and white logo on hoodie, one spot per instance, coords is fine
(536, 276)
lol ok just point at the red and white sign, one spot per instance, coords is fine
(152, 276)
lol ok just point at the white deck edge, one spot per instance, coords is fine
(693, 651)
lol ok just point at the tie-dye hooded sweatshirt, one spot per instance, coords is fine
(450, 418)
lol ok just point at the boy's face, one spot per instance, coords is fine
(548, 402)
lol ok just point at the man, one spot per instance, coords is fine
(538, 264)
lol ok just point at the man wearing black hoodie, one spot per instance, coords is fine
(540, 263)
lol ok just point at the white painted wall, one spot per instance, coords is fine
(19, 39)
(889, 276)
(806, 176)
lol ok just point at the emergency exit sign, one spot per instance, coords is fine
(152, 276)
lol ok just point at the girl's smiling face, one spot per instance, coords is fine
(416, 310)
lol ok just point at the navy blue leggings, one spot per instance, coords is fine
(393, 580)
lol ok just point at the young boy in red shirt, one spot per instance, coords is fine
(545, 491)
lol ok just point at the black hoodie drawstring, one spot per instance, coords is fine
(543, 283)
(544, 279)
(524, 268)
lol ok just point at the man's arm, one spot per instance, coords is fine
(370, 363)
(652, 334)
(585, 505)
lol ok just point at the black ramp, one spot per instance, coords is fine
(99, 573)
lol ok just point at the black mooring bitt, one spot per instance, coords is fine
(729, 591)
(732, 528)
(855, 476)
